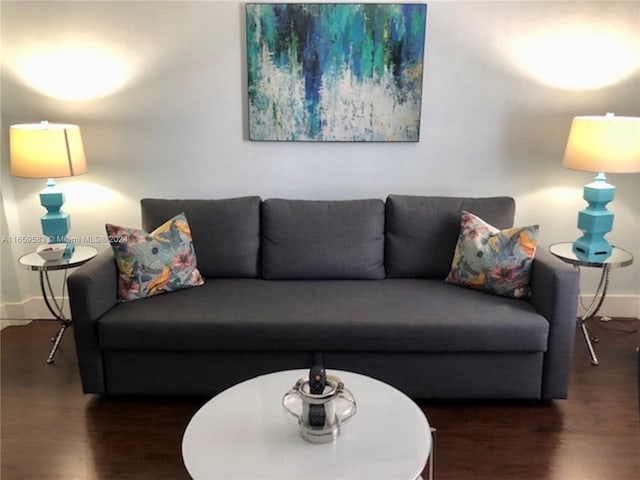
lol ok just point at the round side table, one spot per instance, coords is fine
(32, 261)
(619, 258)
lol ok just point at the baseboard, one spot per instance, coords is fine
(23, 313)
(6, 322)
(12, 314)
(627, 306)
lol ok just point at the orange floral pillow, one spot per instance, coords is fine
(157, 262)
(497, 261)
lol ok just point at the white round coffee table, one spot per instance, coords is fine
(244, 433)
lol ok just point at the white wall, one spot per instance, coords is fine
(175, 123)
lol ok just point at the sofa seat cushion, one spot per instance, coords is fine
(400, 315)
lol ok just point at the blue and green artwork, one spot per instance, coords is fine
(335, 72)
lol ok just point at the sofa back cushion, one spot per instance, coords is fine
(305, 239)
(226, 233)
(422, 232)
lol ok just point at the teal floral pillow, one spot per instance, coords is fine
(153, 263)
(497, 261)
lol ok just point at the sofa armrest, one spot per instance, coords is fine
(93, 290)
(554, 293)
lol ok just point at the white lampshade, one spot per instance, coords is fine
(608, 144)
(46, 150)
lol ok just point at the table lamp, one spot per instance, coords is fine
(48, 150)
(600, 144)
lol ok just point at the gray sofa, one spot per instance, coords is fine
(361, 281)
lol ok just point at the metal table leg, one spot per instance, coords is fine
(56, 342)
(432, 457)
(56, 310)
(592, 311)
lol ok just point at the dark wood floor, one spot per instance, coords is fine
(50, 430)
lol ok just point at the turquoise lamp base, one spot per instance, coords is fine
(592, 250)
(69, 249)
(595, 221)
(55, 223)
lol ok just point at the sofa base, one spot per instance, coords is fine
(418, 375)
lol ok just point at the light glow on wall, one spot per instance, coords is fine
(73, 72)
(102, 197)
(585, 57)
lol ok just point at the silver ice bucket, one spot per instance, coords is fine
(338, 406)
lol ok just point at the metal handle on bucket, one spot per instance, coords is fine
(293, 391)
(347, 396)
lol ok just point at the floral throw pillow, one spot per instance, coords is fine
(153, 263)
(497, 261)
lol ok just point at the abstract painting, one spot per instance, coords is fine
(335, 72)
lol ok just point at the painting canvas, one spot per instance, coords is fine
(335, 72)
